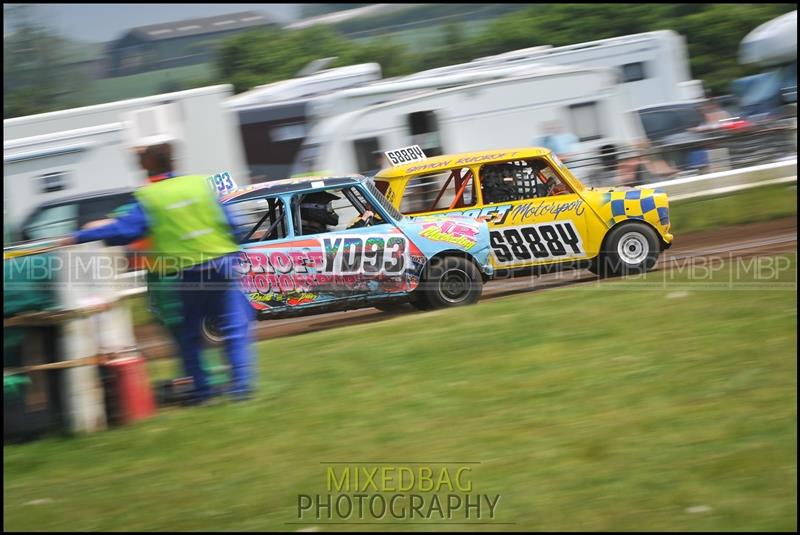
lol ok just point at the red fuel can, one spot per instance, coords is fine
(129, 396)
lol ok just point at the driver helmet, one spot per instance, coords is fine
(316, 209)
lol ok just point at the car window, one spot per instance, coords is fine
(261, 219)
(690, 117)
(330, 210)
(658, 124)
(453, 188)
(381, 198)
(519, 180)
(103, 207)
(673, 120)
(52, 222)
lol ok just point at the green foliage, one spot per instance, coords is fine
(40, 74)
(37, 74)
(712, 32)
(149, 83)
(265, 56)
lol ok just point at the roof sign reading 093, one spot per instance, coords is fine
(405, 155)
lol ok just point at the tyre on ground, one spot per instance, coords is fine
(448, 282)
(628, 249)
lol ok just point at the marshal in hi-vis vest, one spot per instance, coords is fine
(187, 224)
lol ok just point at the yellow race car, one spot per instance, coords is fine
(539, 213)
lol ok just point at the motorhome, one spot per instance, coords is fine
(653, 66)
(80, 151)
(507, 112)
(274, 118)
(773, 48)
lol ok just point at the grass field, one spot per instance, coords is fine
(749, 206)
(657, 402)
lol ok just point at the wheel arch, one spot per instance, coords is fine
(459, 254)
(629, 222)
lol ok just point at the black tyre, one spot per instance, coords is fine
(419, 299)
(449, 282)
(211, 331)
(628, 249)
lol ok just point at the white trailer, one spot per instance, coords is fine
(771, 47)
(276, 119)
(509, 112)
(653, 66)
(311, 84)
(84, 150)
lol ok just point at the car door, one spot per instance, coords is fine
(353, 257)
(268, 273)
(103, 207)
(537, 217)
(51, 222)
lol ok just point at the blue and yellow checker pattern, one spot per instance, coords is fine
(645, 204)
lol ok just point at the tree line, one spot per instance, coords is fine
(35, 81)
(713, 33)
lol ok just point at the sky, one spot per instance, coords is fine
(106, 22)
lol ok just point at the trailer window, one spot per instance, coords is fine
(520, 180)
(50, 182)
(423, 126)
(368, 156)
(633, 72)
(259, 220)
(586, 121)
(454, 188)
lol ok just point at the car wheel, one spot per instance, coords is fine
(451, 281)
(211, 331)
(629, 249)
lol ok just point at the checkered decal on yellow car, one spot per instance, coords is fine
(621, 205)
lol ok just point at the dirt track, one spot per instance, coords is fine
(767, 238)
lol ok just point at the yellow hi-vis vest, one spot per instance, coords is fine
(187, 224)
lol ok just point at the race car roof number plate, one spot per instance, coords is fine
(222, 183)
(405, 155)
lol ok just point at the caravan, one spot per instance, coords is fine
(653, 67)
(275, 119)
(514, 111)
(83, 151)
